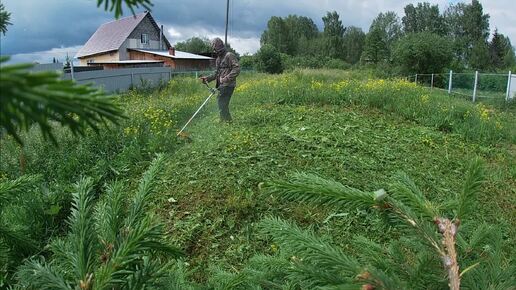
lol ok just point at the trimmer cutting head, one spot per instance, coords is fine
(184, 136)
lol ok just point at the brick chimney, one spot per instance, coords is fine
(172, 50)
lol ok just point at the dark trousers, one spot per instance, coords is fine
(223, 100)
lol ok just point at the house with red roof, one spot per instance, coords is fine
(136, 41)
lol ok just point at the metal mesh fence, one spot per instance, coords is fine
(492, 86)
(473, 86)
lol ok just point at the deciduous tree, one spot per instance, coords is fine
(333, 35)
(422, 52)
(268, 59)
(423, 17)
(388, 27)
(353, 42)
(198, 45)
(375, 46)
(276, 34)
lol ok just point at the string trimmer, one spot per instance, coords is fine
(213, 91)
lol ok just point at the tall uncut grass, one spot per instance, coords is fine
(475, 121)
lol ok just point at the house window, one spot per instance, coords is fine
(145, 38)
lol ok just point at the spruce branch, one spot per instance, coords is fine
(178, 277)
(143, 238)
(39, 98)
(140, 234)
(116, 5)
(222, 280)
(317, 263)
(421, 227)
(472, 184)
(312, 189)
(370, 252)
(10, 189)
(15, 244)
(311, 248)
(149, 274)
(318, 191)
(268, 271)
(312, 276)
(407, 192)
(482, 235)
(5, 17)
(17, 240)
(146, 188)
(109, 216)
(101, 251)
(81, 232)
(405, 202)
(40, 275)
(61, 251)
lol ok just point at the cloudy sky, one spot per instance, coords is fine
(42, 30)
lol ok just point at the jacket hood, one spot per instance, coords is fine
(218, 46)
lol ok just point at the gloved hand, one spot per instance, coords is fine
(204, 80)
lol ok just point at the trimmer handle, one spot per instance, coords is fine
(212, 90)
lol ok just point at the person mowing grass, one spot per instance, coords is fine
(227, 70)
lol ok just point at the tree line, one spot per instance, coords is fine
(423, 40)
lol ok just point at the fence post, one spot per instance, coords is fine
(132, 79)
(507, 95)
(450, 82)
(432, 82)
(71, 70)
(475, 86)
(170, 75)
(416, 79)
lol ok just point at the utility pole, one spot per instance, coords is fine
(227, 19)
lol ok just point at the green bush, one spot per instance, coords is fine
(337, 64)
(304, 61)
(423, 52)
(268, 59)
(247, 61)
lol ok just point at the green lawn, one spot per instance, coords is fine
(213, 197)
(336, 124)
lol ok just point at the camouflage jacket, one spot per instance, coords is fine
(228, 69)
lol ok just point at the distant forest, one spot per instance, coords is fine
(422, 40)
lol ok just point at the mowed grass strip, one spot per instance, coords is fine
(213, 195)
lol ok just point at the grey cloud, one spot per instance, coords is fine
(43, 25)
